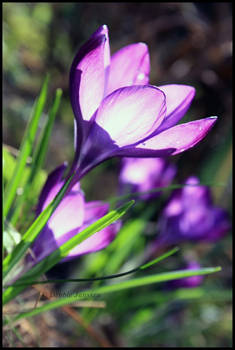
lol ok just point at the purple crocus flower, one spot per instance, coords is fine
(191, 216)
(187, 282)
(145, 174)
(117, 112)
(71, 216)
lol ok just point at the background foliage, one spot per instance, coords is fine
(189, 43)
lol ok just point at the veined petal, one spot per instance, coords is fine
(46, 195)
(180, 137)
(178, 100)
(145, 174)
(132, 113)
(67, 218)
(129, 66)
(87, 75)
(103, 30)
(94, 211)
(70, 212)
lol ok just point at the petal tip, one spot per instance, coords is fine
(103, 30)
(212, 120)
(144, 45)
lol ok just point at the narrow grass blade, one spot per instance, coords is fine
(134, 283)
(9, 163)
(39, 156)
(63, 251)
(25, 149)
(33, 231)
(161, 277)
(160, 258)
(141, 267)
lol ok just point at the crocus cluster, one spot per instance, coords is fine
(191, 216)
(145, 174)
(117, 113)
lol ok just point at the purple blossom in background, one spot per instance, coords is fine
(187, 282)
(145, 174)
(71, 216)
(117, 112)
(191, 216)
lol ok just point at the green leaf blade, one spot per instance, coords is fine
(25, 149)
(39, 156)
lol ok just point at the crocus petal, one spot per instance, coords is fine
(87, 75)
(178, 100)
(145, 174)
(103, 30)
(54, 178)
(129, 66)
(180, 137)
(69, 214)
(94, 211)
(222, 225)
(194, 193)
(133, 151)
(130, 114)
(68, 217)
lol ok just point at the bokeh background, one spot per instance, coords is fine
(189, 43)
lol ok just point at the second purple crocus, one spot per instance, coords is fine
(145, 174)
(191, 216)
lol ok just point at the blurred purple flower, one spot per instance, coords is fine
(71, 216)
(187, 282)
(118, 114)
(145, 174)
(191, 216)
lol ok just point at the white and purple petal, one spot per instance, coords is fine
(47, 192)
(87, 78)
(132, 113)
(101, 239)
(129, 66)
(178, 138)
(178, 100)
(145, 174)
(68, 216)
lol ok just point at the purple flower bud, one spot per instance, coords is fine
(117, 112)
(145, 174)
(191, 216)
